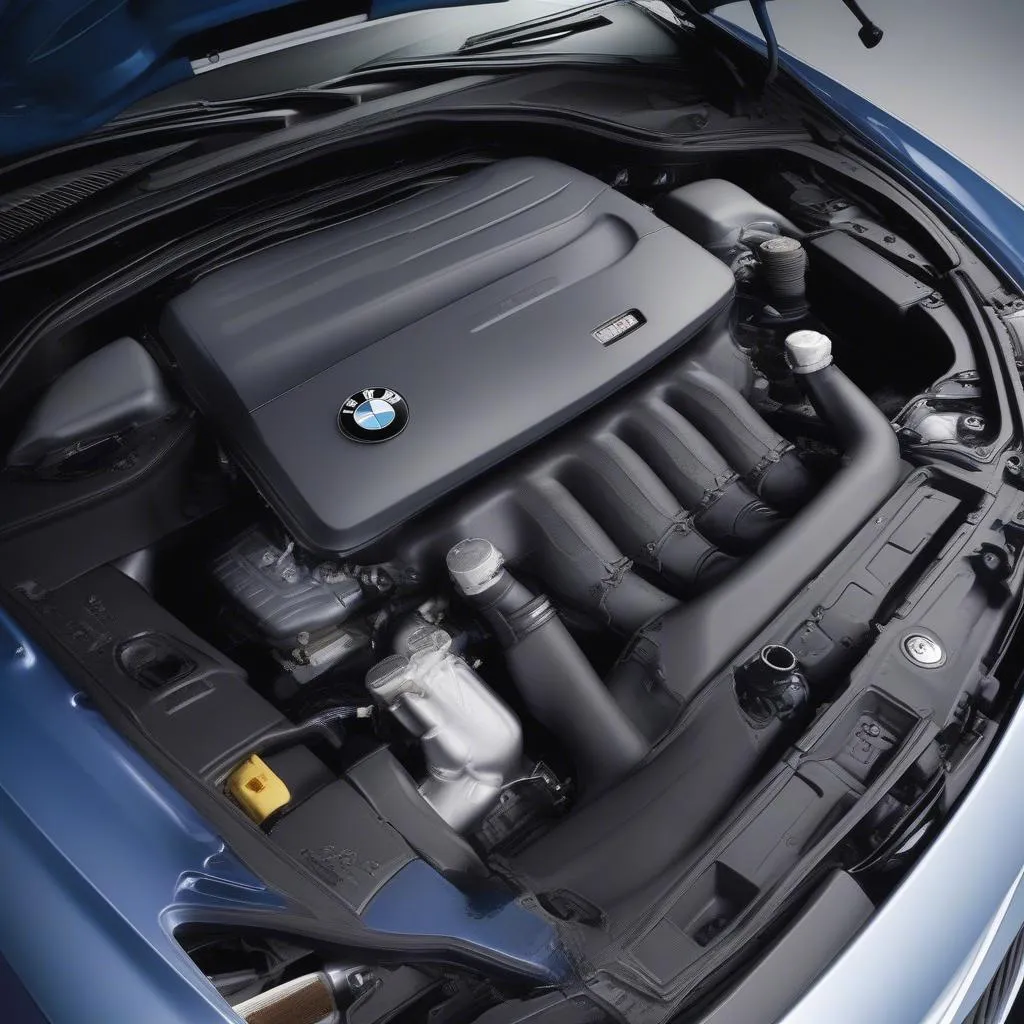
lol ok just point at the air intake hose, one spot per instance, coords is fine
(763, 457)
(696, 640)
(556, 681)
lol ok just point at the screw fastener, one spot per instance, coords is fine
(923, 650)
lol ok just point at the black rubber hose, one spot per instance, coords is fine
(642, 515)
(764, 458)
(697, 640)
(725, 510)
(567, 696)
(581, 564)
(556, 681)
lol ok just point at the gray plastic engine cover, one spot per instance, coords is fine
(481, 302)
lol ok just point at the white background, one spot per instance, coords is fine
(954, 69)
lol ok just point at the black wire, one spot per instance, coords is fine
(325, 726)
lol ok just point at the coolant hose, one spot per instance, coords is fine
(554, 677)
(696, 640)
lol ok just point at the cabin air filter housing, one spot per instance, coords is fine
(361, 372)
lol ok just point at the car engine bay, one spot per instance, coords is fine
(535, 530)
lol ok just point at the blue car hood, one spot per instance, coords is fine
(68, 66)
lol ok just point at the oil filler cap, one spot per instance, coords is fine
(257, 790)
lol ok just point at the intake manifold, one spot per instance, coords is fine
(471, 741)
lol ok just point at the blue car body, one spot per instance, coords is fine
(103, 859)
(67, 67)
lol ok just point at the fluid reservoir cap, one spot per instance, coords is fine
(474, 565)
(808, 351)
(257, 789)
(388, 678)
(777, 246)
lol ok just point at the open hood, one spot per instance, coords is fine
(68, 66)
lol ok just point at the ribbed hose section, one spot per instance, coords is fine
(643, 516)
(696, 641)
(765, 459)
(580, 563)
(784, 265)
(725, 510)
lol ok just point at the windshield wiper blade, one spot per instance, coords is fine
(533, 33)
(281, 105)
(459, 64)
(253, 115)
(25, 210)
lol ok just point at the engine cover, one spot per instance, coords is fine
(478, 316)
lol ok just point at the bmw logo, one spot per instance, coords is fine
(373, 415)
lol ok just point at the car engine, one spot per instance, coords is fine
(498, 484)
(365, 372)
(525, 376)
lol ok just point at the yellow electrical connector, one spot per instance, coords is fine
(257, 789)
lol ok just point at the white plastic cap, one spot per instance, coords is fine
(474, 565)
(808, 351)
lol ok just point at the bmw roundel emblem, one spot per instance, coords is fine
(373, 414)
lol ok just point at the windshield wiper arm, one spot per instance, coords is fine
(311, 100)
(545, 30)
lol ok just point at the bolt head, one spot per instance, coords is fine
(923, 650)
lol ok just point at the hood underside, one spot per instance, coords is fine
(69, 66)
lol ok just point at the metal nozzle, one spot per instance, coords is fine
(808, 351)
(474, 565)
(389, 678)
(772, 685)
(427, 638)
(777, 660)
